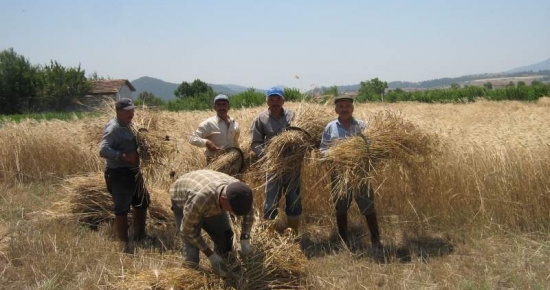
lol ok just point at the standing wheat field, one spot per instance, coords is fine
(473, 214)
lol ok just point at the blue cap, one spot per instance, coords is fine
(221, 97)
(275, 91)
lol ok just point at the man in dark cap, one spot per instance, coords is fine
(202, 199)
(344, 127)
(122, 175)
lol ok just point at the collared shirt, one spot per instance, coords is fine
(198, 194)
(264, 127)
(117, 138)
(216, 130)
(335, 130)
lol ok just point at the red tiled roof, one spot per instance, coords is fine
(109, 86)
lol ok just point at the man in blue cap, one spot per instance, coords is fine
(218, 132)
(264, 127)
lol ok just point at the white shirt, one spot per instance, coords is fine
(216, 130)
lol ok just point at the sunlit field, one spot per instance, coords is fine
(476, 216)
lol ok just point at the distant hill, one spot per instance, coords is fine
(159, 88)
(539, 71)
(543, 65)
(165, 90)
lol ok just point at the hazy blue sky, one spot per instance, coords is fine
(263, 43)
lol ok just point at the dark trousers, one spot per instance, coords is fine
(218, 227)
(127, 188)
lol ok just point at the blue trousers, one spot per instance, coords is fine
(287, 185)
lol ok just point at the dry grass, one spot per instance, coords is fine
(86, 200)
(476, 218)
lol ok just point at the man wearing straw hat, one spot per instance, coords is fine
(218, 132)
(122, 175)
(264, 127)
(202, 199)
(344, 127)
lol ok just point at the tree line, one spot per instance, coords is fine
(198, 95)
(26, 88)
(376, 91)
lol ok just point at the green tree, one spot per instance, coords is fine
(488, 85)
(63, 87)
(372, 90)
(149, 99)
(292, 94)
(455, 86)
(332, 91)
(248, 98)
(19, 86)
(197, 87)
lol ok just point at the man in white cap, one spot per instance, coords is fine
(218, 132)
(122, 175)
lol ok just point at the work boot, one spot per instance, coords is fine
(342, 222)
(121, 228)
(294, 224)
(140, 216)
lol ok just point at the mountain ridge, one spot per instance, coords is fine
(165, 90)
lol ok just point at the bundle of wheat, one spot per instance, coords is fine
(155, 146)
(276, 263)
(169, 279)
(88, 201)
(230, 161)
(285, 152)
(388, 137)
(312, 119)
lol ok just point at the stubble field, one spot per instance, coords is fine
(476, 217)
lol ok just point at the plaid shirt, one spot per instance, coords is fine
(198, 194)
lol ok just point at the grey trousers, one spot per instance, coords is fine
(218, 227)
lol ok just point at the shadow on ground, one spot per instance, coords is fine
(424, 247)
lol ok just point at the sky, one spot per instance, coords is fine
(297, 44)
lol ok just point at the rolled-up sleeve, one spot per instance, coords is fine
(199, 137)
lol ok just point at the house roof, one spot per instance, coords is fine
(109, 86)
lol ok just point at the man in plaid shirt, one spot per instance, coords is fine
(201, 200)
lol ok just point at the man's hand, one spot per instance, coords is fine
(211, 146)
(218, 265)
(246, 248)
(130, 157)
